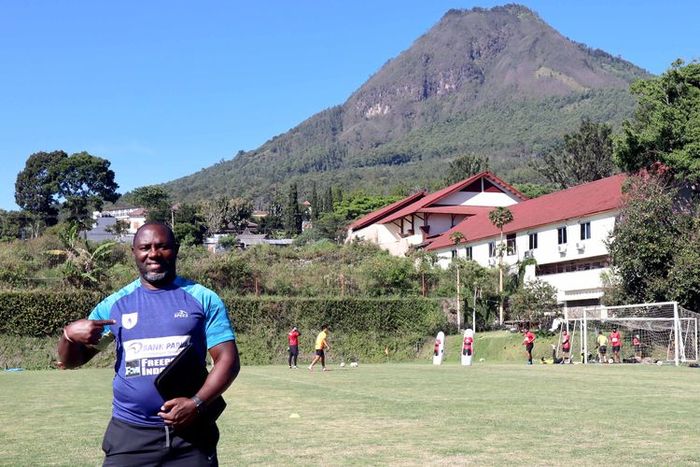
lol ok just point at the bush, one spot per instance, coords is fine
(367, 329)
(40, 313)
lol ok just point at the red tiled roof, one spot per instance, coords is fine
(582, 200)
(377, 215)
(434, 197)
(464, 210)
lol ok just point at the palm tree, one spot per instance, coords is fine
(457, 237)
(499, 217)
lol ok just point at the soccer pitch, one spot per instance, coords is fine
(390, 414)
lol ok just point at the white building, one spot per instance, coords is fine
(134, 217)
(565, 232)
(415, 220)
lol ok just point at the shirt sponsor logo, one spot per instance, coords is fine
(181, 314)
(129, 320)
(147, 357)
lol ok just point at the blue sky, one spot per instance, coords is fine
(165, 88)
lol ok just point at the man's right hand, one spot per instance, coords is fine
(87, 331)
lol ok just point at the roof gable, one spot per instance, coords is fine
(376, 216)
(582, 200)
(434, 198)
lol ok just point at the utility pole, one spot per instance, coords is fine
(500, 282)
(474, 310)
(459, 312)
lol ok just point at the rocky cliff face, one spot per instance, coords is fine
(497, 81)
(475, 56)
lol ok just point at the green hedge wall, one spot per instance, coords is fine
(361, 328)
(249, 314)
(41, 313)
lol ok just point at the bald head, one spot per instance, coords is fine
(155, 253)
(155, 225)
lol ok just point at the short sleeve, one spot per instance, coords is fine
(102, 311)
(218, 327)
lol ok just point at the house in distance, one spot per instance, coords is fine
(564, 232)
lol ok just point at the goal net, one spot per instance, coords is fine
(649, 333)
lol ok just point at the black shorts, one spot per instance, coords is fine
(602, 349)
(293, 350)
(128, 444)
(566, 349)
(466, 351)
(529, 347)
(320, 353)
(616, 348)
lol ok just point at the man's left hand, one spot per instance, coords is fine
(178, 412)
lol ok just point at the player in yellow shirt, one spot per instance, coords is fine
(602, 342)
(320, 347)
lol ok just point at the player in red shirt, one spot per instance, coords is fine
(616, 343)
(293, 338)
(566, 345)
(529, 343)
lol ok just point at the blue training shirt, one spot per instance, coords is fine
(151, 326)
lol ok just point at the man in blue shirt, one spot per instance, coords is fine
(151, 319)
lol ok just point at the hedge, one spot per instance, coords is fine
(361, 328)
(42, 313)
(249, 314)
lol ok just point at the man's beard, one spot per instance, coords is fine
(155, 276)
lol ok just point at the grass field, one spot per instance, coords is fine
(392, 414)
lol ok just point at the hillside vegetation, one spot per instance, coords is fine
(497, 82)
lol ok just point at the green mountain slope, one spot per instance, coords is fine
(499, 82)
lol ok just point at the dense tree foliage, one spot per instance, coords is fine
(11, 223)
(214, 212)
(292, 211)
(238, 213)
(466, 166)
(37, 185)
(654, 245)
(533, 301)
(666, 125)
(85, 182)
(534, 190)
(75, 185)
(189, 227)
(155, 200)
(583, 156)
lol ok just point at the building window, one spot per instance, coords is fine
(561, 235)
(492, 249)
(598, 262)
(468, 252)
(454, 253)
(585, 231)
(510, 244)
(532, 241)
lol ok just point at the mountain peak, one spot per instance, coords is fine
(498, 81)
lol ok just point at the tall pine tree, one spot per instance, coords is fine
(315, 202)
(292, 214)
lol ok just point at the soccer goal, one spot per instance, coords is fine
(650, 332)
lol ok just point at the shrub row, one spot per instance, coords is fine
(42, 313)
(365, 329)
(389, 315)
(39, 313)
(361, 328)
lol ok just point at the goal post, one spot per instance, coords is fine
(650, 332)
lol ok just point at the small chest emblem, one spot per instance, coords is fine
(181, 314)
(129, 320)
